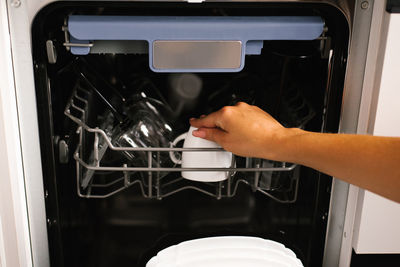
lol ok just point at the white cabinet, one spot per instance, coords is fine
(377, 220)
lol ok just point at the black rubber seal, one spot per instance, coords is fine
(393, 6)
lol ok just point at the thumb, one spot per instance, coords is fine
(213, 134)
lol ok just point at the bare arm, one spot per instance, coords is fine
(370, 162)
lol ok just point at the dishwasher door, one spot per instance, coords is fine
(117, 196)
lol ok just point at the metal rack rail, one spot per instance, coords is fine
(97, 180)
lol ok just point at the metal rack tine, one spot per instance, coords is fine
(150, 174)
(126, 176)
(158, 178)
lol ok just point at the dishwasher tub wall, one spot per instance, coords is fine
(126, 228)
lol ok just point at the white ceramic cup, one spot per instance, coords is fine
(202, 159)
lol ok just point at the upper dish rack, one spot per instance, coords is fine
(98, 179)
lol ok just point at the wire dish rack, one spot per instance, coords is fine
(98, 178)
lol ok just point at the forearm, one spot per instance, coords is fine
(366, 161)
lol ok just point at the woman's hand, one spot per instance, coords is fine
(366, 161)
(244, 130)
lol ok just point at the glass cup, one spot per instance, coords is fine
(147, 126)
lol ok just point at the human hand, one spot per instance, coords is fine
(244, 130)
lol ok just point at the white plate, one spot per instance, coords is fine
(226, 242)
(225, 247)
(226, 262)
(227, 253)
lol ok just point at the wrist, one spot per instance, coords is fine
(285, 144)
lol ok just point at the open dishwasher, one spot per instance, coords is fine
(108, 79)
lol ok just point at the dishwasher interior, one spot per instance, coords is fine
(109, 203)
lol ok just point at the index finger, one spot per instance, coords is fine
(209, 121)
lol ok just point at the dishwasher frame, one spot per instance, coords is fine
(31, 195)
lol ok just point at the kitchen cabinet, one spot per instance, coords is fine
(377, 221)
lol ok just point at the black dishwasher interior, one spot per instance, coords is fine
(299, 82)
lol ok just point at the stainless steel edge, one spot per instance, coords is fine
(366, 118)
(15, 249)
(19, 26)
(351, 102)
(345, 6)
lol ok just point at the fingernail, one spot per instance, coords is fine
(199, 133)
(191, 119)
(202, 116)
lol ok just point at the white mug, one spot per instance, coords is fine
(202, 159)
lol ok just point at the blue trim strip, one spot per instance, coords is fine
(194, 28)
(253, 29)
(79, 50)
